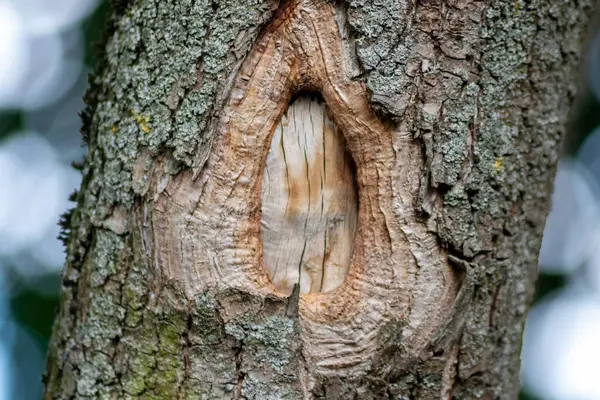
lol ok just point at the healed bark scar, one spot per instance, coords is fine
(388, 272)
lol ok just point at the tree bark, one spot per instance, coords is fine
(392, 254)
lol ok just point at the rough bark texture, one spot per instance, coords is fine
(453, 112)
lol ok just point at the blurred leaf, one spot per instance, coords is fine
(584, 118)
(527, 396)
(10, 121)
(548, 283)
(93, 30)
(36, 311)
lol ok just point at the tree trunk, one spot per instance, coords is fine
(312, 199)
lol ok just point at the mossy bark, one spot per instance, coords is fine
(481, 89)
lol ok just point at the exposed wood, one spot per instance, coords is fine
(215, 217)
(309, 201)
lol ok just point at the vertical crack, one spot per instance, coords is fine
(239, 373)
(301, 259)
(324, 177)
(187, 345)
(324, 255)
(287, 170)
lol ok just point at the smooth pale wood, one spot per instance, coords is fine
(309, 201)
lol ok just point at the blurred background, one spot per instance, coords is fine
(46, 52)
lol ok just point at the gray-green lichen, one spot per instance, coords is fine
(383, 49)
(168, 64)
(274, 339)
